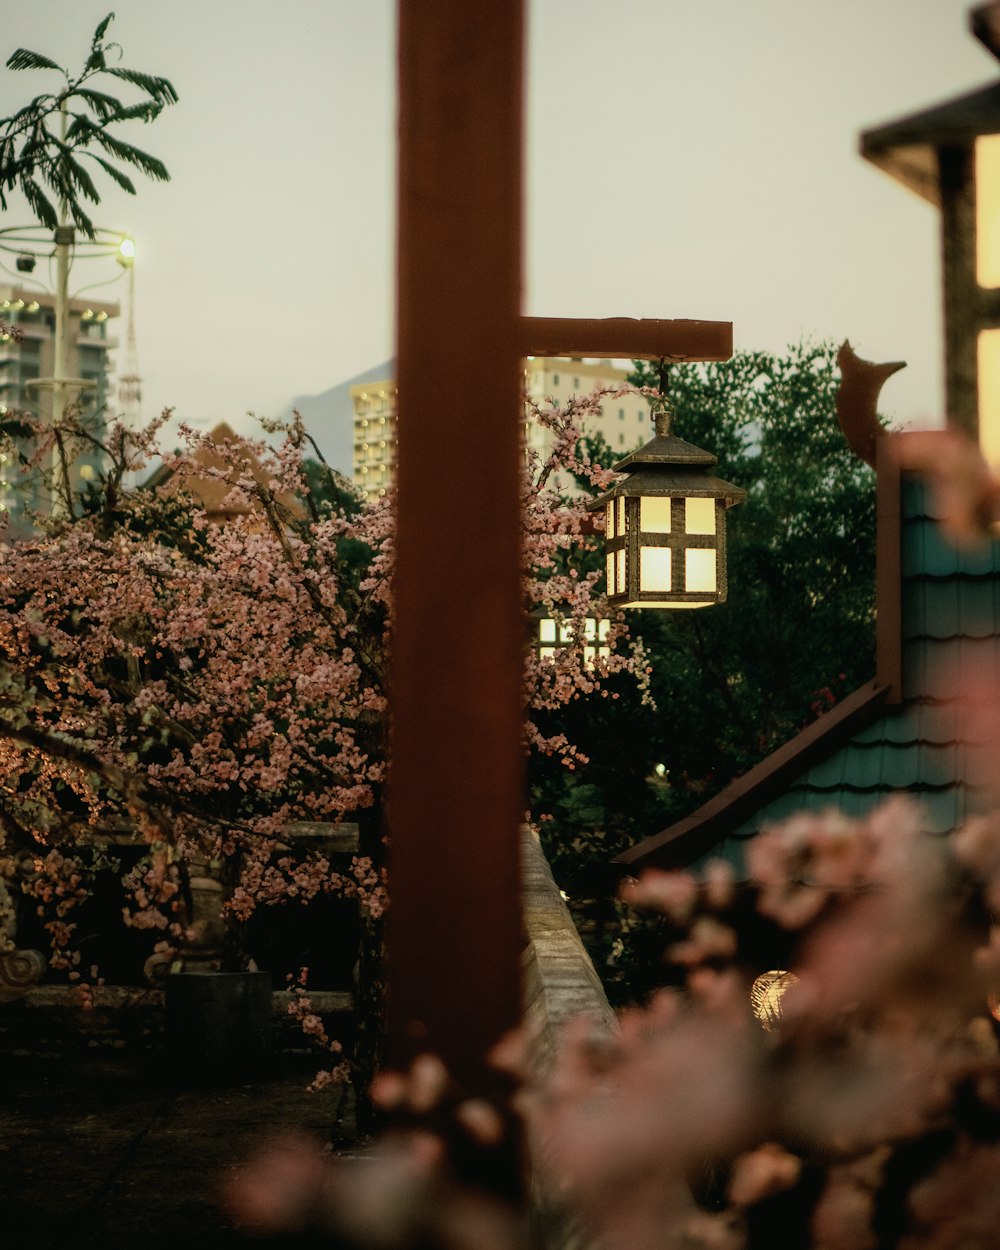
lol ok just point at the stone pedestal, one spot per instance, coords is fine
(218, 1026)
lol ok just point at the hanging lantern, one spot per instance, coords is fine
(665, 524)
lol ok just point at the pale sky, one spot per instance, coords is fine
(686, 158)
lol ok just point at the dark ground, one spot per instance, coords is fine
(101, 1151)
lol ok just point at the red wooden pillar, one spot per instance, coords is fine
(456, 787)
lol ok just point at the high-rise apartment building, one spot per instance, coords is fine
(623, 422)
(373, 463)
(25, 360)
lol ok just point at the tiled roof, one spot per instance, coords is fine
(932, 744)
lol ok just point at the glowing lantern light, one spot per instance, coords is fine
(665, 524)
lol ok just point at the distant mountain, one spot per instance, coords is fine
(329, 417)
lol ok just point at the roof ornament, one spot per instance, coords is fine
(861, 382)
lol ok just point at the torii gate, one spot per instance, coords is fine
(457, 782)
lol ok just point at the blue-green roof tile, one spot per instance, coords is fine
(925, 552)
(948, 607)
(934, 669)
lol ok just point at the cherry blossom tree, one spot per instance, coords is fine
(823, 1072)
(820, 1066)
(205, 684)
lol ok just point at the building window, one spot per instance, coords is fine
(621, 414)
(555, 379)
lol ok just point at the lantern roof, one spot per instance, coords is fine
(667, 449)
(657, 479)
(648, 468)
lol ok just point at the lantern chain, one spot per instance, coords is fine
(661, 409)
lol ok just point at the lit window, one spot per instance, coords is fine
(654, 514)
(654, 568)
(987, 211)
(699, 569)
(699, 516)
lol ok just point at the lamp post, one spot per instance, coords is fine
(949, 155)
(665, 524)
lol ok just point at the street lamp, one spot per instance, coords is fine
(665, 524)
(949, 154)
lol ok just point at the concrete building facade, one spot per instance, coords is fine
(25, 360)
(623, 422)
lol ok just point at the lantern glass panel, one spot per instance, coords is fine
(610, 572)
(654, 568)
(989, 396)
(654, 514)
(988, 211)
(546, 653)
(565, 632)
(699, 516)
(700, 569)
(609, 519)
(620, 516)
(619, 572)
(546, 629)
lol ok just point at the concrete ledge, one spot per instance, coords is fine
(560, 983)
(559, 979)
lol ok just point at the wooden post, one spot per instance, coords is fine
(456, 792)
(456, 789)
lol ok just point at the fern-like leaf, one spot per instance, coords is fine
(159, 89)
(40, 204)
(80, 219)
(113, 172)
(101, 30)
(105, 106)
(147, 111)
(149, 165)
(75, 175)
(23, 59)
